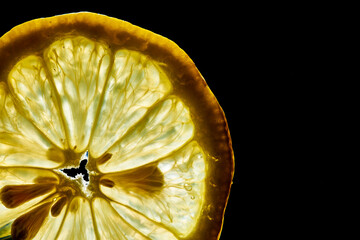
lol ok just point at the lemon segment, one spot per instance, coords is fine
(166, 128)
(110, 225)
(21, 144)
(23, 175)
(78, 222)
(135, 84)
(51, 226)
(78, 67)
(147, 227)
(169, 192)
(31, 87)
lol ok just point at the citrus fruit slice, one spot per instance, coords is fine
(130, 108)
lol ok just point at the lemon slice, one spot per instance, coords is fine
(132, 103)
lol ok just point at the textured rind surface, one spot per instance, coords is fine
(34, 36)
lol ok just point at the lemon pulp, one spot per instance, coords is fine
(147, 170)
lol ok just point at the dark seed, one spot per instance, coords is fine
(58, 206)
(28, 225)
(103, 159)
(107, 183)
(45, 180)
(13, 196)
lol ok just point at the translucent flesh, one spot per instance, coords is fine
(21, 143)
(148, 171)
(78, 68)
(174, 193)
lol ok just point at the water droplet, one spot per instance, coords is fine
(212, 183)
(210, 212)
(192, 197)
(187, 187)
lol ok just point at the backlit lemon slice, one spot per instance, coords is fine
(157, 145)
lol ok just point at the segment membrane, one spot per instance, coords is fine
(135, 84)
(79, 69)
(176, 203)
(166, 128)
(36, 97)
(21, 144)
(78, 222)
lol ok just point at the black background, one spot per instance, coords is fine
(211, 35)
(266, 65)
